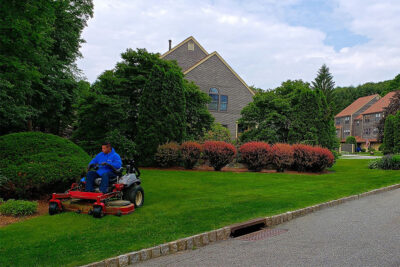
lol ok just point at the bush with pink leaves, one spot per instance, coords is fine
(282, 156)
(190, 153)
(255, 155)
(312, 158)
(219, 153)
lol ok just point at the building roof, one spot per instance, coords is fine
(190, 38)
(224, 62)
(380, 105)
(359, 117)
(356, 106)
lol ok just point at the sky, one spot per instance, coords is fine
(265, 42)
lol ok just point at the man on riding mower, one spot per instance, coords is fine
(107, 160)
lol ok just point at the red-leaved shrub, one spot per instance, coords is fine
(282, 156)
(310, 158)
(218, 153)
(167, 154)
(256, 155)
(191, 152)
(303, 157)
(323, 158)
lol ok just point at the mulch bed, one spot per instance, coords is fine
(43, 208)
(206, 168)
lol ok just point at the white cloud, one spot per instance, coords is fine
(251, 36)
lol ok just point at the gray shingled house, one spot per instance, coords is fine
(229, 93)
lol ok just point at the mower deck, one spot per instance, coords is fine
(84, 206)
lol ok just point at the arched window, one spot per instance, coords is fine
(214, 94)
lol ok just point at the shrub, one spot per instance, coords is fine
(256, 155)
(303, 157)
(219, 153)
(322, 159)
(167, 154)
(218, 133)
(191, 152)
(34, 164)
(388, 162)
(18, 207)
(351, 140)
(282, 156)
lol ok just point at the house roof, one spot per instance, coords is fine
(359, 117)
(381, 104)
(190, 38)
(356, 105)
(224, 62)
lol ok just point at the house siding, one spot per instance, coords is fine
(186, 58)
(213, 73)
(344, 127)
(372, 124)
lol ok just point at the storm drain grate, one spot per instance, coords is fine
(262, 234)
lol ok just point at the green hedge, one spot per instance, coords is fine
(33, 164)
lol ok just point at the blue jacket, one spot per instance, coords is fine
(111, 158)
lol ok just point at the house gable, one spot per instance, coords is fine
(216, 77)
(187, 53)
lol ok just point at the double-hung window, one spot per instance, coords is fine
(218, 102)
(214, 94)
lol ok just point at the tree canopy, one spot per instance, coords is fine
(39, 43)
(146, 102)
(291, 113)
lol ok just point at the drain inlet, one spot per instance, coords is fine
(247, 227)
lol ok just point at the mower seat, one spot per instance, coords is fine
(113, 180)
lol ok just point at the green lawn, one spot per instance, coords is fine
(180, 204)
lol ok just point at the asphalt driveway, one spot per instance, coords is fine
(364, 232)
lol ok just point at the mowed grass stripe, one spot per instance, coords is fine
(180, 204)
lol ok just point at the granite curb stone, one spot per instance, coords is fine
(134, 257)
(173, 247)
(123, 260)
(113, 262)
(156, 252)
(164, 248)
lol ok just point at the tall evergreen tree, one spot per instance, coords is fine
(324, 82)
(388, 139)
(161, 110)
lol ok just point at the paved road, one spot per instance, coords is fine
(364, 232)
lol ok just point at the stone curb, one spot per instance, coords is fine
(207, 238)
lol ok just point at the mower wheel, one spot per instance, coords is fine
(135, 194)
(98, 212)
(53, 208)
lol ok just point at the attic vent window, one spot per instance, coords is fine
(191, 46)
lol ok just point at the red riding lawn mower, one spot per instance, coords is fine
(125, 194)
